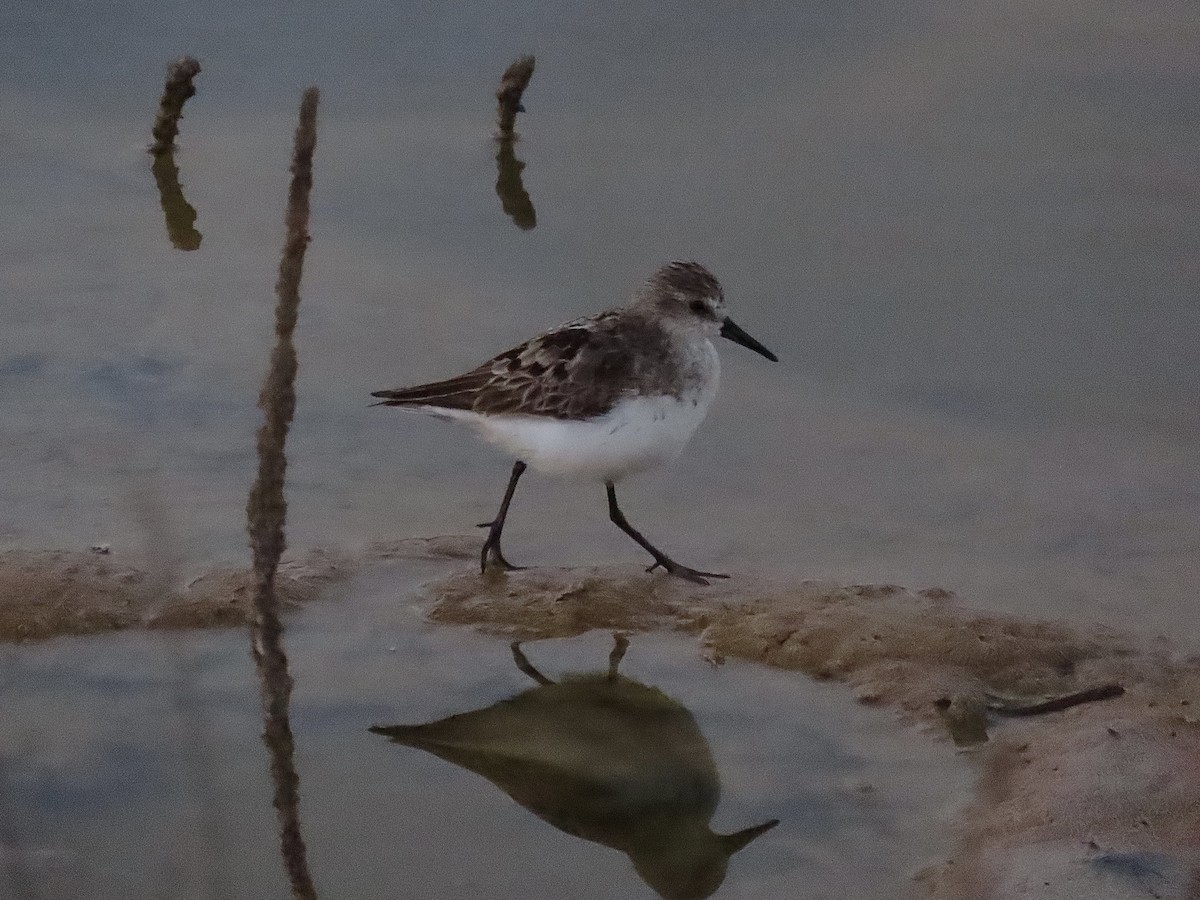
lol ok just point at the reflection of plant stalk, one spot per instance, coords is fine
(514, 199)
(266, 510)
(181, 215)
(19, 878)
(512, 85)
(176, 91)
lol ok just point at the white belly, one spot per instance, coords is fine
(637, 434)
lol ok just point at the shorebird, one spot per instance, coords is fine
(603, 397)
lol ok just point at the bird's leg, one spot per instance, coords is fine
(660, 558)
(620, 645)
(525, 665)
(491, 547)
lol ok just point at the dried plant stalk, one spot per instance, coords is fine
(266, 510)
(512, 85)
(181, 216)
(514, 199)
(176, 91)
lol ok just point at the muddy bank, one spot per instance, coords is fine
(45, 594)
(926, 654)
(1100, 799)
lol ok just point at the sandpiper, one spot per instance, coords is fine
(601, 397)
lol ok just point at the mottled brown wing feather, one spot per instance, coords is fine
(577, 371)
(453, 393)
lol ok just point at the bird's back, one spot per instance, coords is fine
(579, 371)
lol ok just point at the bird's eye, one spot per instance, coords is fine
(698, 307)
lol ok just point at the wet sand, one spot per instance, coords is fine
(45, 594)
(1098, 800)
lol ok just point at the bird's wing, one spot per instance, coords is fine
(576, 371)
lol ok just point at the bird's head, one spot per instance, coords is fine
(687, 296)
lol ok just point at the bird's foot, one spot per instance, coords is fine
(491, 556)
(686, 572)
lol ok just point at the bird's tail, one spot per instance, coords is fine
(453, 393)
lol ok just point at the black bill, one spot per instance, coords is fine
(735, 334)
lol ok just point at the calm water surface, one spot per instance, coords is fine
(969, 233)
(132, 768)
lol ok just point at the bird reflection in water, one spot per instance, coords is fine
(603, 758)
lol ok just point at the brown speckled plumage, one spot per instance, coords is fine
(581, 369)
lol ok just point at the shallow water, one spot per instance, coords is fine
(132, 768)
(968, 233)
